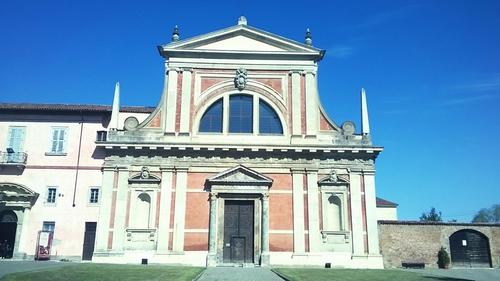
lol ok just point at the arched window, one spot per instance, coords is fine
(211, 122)
(240, 114)
(269, 122)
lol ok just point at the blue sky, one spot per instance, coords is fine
(431, 70)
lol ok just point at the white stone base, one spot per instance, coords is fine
(199, 258)
(337, 260)
(192, 258)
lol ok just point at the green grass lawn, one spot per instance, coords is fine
(105, 272)
(303, 274)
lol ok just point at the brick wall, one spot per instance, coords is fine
(409, 241)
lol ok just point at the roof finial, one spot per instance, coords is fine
(365, 124)
(242, 20)
(308, 40)
(175, 33)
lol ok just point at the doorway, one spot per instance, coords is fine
(89, 240)
(470, 248)
(238, 244)
(8, 226)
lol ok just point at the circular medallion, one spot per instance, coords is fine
(348, 128)
(131, 123)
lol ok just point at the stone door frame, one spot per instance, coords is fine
(238, 183)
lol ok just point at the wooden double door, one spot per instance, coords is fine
(238, 231)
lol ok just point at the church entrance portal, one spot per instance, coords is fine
(238, 231)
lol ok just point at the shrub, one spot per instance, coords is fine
(443, 258)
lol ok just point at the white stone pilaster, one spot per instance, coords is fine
(296, 102)
(180, 210)
(171, 101)
(265, 230)
(313, 211)
(371, 213)
(101, 244)
(212, 232)
(311, 104)
(120, 211)
(356, 215)
(165, 203)
(298, 211)
(185, 101)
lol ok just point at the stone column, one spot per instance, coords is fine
(22, 231)
(356, 214)
(298, 211)
(102, 233)
(371, 213)
(264, 258)
(180, 210)
(311, 101)
(212, 230)
(186, 101)
(21, 220)
(313, 210)
(120, 211)
(171, 102)
(296, 102)
(165, 203)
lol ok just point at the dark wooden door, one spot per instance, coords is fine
(469, 248)
(89, 240)
(238, 231)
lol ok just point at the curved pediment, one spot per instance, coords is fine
(17, 195)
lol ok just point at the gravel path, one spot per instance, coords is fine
(238, 273)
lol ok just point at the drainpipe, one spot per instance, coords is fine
(78, 159)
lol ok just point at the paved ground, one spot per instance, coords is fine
(239, 273)
(487, 274)
(8, 266)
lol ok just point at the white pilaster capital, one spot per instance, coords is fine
(167, 168)
(182, 169)
(186, 69)
(297, 170)
(296, 71)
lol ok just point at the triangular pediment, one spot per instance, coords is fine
(240, 175)
(241, 39)
(240, 43)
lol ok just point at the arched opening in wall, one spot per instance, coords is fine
(334, 218)
(470, 248)
(8, 225)
(143, 211)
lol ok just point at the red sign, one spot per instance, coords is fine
(43, 245)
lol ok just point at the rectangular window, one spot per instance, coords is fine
(94, 195)
(49, 226)
(15, 142)
(51, 194)
(58, 144)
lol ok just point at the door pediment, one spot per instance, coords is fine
(17, 195)
(239, 179)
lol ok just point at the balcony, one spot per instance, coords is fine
(13, 159)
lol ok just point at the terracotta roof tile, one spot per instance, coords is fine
(88, 108)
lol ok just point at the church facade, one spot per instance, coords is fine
(238, 164)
